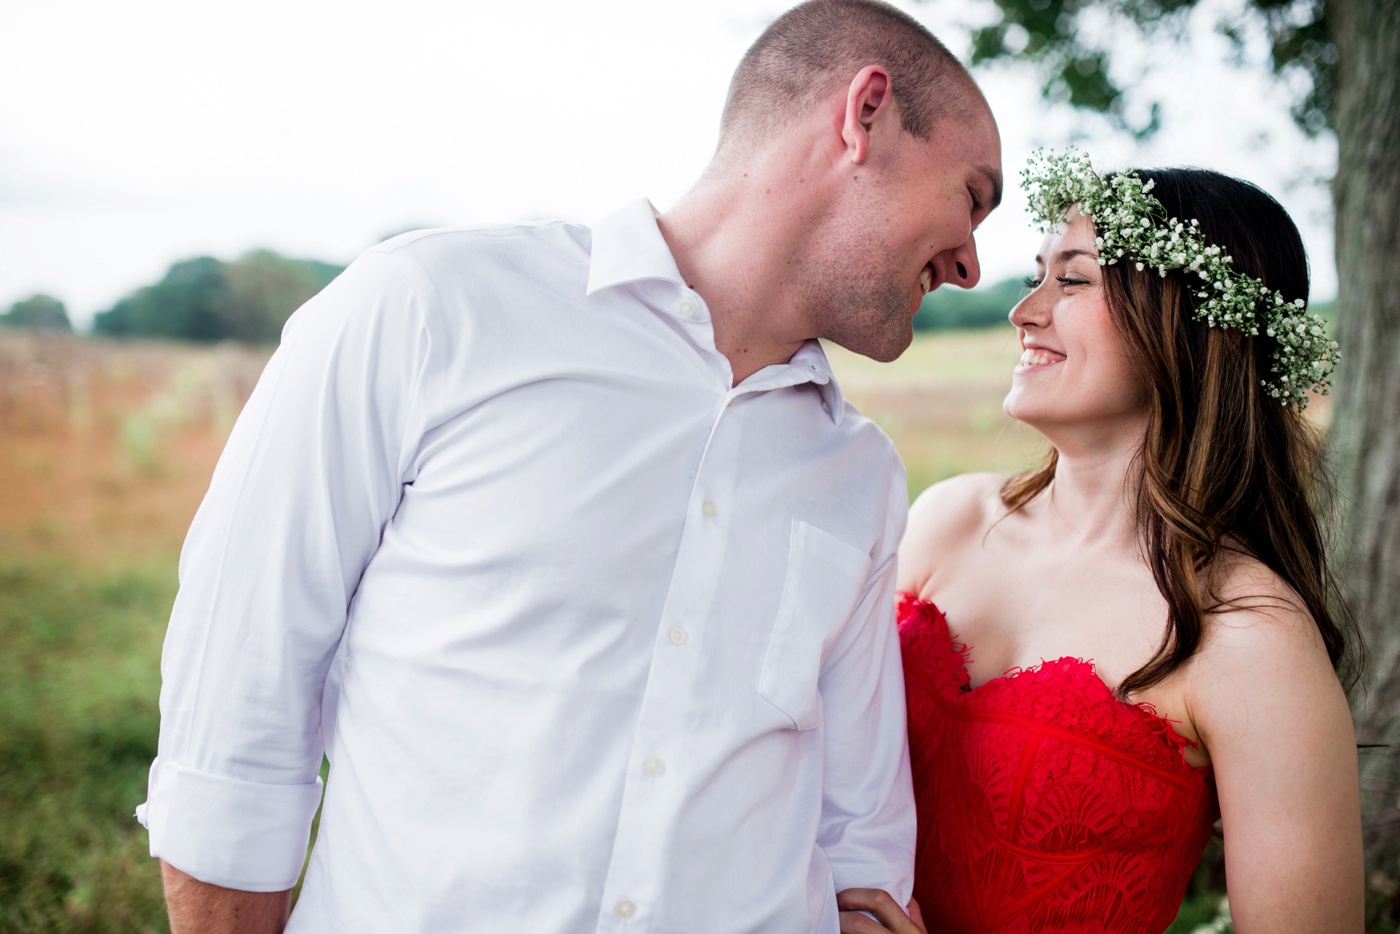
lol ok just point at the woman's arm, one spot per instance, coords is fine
(1275, 721)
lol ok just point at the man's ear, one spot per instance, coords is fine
(869, 99)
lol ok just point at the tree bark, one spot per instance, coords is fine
(1365, 436)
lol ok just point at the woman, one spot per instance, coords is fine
(1106, 653)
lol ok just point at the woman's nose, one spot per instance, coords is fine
(1031, 311)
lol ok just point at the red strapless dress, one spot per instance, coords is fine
(1044, 802)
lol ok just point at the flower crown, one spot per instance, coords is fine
(1133, 223)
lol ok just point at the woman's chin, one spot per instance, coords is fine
(1035, 413)
(1017, 406)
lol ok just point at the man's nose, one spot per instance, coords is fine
(964, 271)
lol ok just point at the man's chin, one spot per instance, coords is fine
(885, 349)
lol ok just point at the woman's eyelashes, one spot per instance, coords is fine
(1032, 283)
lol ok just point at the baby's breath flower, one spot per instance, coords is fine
(1132, 222)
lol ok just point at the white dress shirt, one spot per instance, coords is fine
(593, 640)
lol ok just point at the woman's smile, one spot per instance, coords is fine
(1033, 357)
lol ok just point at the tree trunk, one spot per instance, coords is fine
(1366, 433)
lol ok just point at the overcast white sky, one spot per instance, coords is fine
(134, 134)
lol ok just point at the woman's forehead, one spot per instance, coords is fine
(1074, 235)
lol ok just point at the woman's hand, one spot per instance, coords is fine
(882, 906)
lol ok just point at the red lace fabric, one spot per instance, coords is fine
(1044, 802)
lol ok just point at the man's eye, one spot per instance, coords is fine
(976, 199)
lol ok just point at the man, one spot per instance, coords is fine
(564, 547)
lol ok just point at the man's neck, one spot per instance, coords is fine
(733, 238)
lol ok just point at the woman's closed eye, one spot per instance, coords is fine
(1032, 283)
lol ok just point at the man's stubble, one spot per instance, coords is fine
(852, 293)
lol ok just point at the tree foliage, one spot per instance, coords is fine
(205, 299)
(1073, 59)
(38, 312)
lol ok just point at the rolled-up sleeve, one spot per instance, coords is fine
(867, 830)
(311, 474)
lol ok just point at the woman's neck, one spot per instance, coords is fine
(1092, 500)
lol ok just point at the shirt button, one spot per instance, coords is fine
(688, 308)
(709, 508)
(654, 767)
(676, 635)
(625, 909)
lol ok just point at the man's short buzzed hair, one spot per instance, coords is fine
(811, 48)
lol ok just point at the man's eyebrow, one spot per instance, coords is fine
(993, 177)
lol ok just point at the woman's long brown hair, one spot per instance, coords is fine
(1223, 466)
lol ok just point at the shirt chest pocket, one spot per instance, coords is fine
(824, 582)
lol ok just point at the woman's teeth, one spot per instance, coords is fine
(1031, 357)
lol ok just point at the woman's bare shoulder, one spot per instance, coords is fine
(943, 518)
(1255, 606)
(1261, 646)
(957, 501)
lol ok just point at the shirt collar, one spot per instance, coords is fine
(812, 357)
(628, 247)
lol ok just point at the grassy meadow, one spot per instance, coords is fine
(941, 403)
(105, 451)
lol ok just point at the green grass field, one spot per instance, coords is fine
(78, 689)
(941, 404)
(106, 451)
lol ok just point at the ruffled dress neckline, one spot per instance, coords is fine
(1068, 669)
(1045, 802)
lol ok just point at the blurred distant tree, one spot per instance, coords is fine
(205, 299)
(1343, 54)
(188, 304)
(264, 288)
(39, 313)
(982, 307)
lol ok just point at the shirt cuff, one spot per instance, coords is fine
(237, 834)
